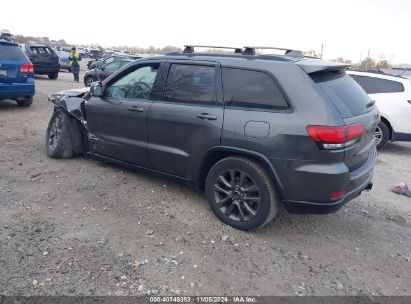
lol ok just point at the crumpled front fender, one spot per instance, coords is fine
(72, 105)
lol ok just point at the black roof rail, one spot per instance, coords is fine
(188, 49)
(250, 50)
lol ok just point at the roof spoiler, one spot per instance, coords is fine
(312, 65)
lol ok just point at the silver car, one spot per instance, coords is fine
(64, 60)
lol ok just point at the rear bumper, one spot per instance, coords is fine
(46, 69)
(65, 66)
(302, 207)
(308, 187)
(16, 90)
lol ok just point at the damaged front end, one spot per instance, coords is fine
(72, 101)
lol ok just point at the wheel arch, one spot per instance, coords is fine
(215, 154)
(77, 130)
(389, 125)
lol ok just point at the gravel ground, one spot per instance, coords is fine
(83, 227)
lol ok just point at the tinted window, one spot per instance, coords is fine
(137, 84)
(251, 89)
(11, 52)
(348, 97)
(40, 50)
(191, 83)
(373, 85)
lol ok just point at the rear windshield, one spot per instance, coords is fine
(12, 53)
(348, 97)
(41, 50)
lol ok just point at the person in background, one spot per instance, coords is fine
(75, 63)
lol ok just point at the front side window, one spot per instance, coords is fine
(373, 85)
(137, 84)
(191, 84)
(251, 89)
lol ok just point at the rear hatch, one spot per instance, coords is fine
(11, 57)
(43, 55)
(354, 106)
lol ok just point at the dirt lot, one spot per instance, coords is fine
(75, 227)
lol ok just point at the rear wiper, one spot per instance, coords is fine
(371, 103)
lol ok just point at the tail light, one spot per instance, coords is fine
(331, 138)
(26, 68)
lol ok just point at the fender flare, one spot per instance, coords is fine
(248, 153)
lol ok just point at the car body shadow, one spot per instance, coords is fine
(8, 104)
(396, 148)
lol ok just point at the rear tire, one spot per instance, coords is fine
(25, 102)
(58, 141)
(381, 134)
(53, 76)
(245, 199)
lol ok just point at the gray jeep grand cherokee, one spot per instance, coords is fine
(252, 131)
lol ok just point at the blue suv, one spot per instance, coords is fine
(16, 74)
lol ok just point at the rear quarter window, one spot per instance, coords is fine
(347, 96)
(373, 85)
(251, 89)
(11, 53)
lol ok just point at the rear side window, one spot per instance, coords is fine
(12, 53)
(191, 84)
(348, 97)
(373, 85)
(251, 89)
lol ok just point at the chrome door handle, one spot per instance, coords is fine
(206, 116)
(136, 109)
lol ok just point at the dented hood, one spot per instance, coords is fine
(74, 92)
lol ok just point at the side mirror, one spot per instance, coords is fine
(96, 89)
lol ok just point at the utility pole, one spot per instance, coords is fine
(359, 64)
(366, 60)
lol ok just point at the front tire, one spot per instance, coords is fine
(241, 193)
(25, 102)
(381, 134)
(58, 142)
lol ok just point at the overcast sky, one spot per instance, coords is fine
(347, 28)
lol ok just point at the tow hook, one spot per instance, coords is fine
(369, 187)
